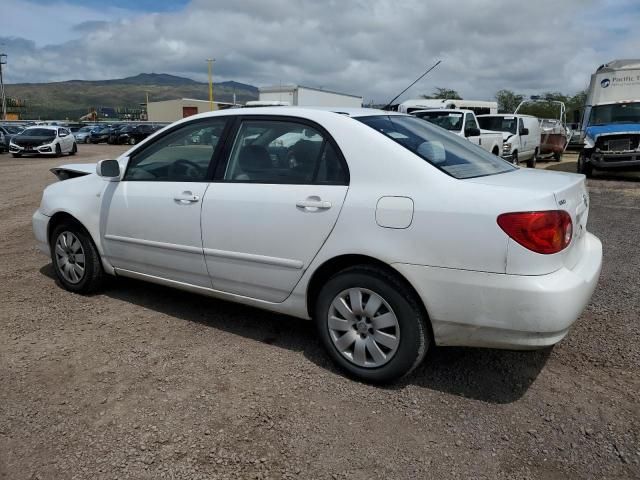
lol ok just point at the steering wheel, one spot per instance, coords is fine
(189, 169)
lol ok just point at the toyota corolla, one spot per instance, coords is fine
(390, 233)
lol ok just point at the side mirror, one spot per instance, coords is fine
(524, 131)
(471, 132)
(108, 169)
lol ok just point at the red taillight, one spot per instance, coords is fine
(543, 232)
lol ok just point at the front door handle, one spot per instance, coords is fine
(313, 203)
(186, 197)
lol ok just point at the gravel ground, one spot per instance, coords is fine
(145, 382)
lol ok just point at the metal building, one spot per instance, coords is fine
(172, 110)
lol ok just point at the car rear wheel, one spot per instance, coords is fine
(75, 259)
(371, 324)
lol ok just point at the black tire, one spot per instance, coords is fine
(93, 277)
(414, 333)
(557, 157)
(16, 155)
(584, 166)
(496, 152)
(531, 163)
(58, 150)
(515, 160)
(132, 141)
(74, 149)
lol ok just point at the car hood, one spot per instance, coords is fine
(33, 139)
(595, 131)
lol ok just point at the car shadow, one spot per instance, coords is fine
(494, 376)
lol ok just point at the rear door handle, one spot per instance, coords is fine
(186, 197)
(314, 204)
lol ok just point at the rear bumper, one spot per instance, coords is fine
(40, 223)
(469, 308)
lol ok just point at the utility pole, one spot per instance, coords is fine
(210, 62)
(3, 99)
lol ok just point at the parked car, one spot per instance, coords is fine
(83, 134)
(391, 233)
(521, 136)
(7, 132)
(100, 134)
(44, 140)
(136, 134)
(114, 132)
(464, 124)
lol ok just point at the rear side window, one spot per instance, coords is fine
(454, 155)
(273, 151)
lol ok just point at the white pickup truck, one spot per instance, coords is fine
(464, 124)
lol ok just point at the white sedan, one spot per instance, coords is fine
(392, 234)
(43, 140)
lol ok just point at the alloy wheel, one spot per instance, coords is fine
(363, 327)
(70, 257)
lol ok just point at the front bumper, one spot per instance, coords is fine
(47, 149)
(604, 160)
(469, 308)
(40, 224)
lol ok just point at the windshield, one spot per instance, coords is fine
(12, 129)
(446, 151)
(38, 132)
(498, 123)
(615, 113)
(447, 120)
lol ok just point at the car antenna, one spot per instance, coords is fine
(416, 81)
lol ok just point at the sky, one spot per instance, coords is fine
(373, 48)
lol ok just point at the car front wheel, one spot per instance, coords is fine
(371, 324)
(75, 259)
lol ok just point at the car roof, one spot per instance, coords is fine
(445, 110)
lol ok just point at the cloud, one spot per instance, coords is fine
(373, 48)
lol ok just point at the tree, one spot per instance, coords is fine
(508, 101)
(444, 94)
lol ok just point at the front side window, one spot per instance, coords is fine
(272, 151)
(183, 155)
(471, 122)
(448, 152)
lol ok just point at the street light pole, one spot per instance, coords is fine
(210, 62)
(3, 99)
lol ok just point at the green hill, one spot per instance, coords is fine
(73, 98)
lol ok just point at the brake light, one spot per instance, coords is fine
(542, 232)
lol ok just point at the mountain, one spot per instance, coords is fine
(74, 98)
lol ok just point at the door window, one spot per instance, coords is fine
(471, 122)
(520, 125)
(183, 155)
(272, 151)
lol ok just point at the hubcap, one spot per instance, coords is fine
(69, 256)
(363, 327)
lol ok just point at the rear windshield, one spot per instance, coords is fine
(446, 151)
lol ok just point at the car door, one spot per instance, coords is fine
(273, 204)
(152, 216)
(525, 143)
(470, 122)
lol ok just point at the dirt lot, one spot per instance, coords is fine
(145, 382)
